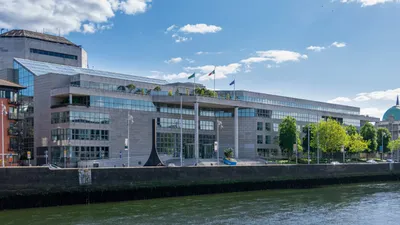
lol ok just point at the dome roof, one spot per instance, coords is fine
(394, 111)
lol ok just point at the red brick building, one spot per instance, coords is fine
(9, 117)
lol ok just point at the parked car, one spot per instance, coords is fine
(389, 160)
(335, 163)
(372, 161)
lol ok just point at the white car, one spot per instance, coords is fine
(372, 161)
(335, 163)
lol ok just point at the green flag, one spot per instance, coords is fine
(192, 76)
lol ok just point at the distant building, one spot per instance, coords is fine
(39, 47)
(391, 120)
(82, 114)
(10, 134)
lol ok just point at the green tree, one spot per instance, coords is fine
(356, 143)
(169, 93)
(332, 136)
(288, 134)
(387, 136)
(351, 130)
(131, 87)
(368, 132)
(313, 127)
(157, 88)
(394, 145)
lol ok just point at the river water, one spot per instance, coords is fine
(359, 204)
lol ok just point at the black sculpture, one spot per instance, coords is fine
(154, 159)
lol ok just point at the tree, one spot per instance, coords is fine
(332, 136)
(351, 130)
(131, 87)
(305, 138)
(157, 88)
(169, 93)
(287, 134)
(394, 145)
(368, 132)
(356, 143)
(387, 136)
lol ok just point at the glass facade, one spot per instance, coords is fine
(356, 123)
(121, 103)
(79, 134)
(297, 105)
(25, 78)
(80, 117)
(303, 117)
(169, 144)
(186, 124)
(77, 153)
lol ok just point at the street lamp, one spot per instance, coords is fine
(219, 125)
(130, 120)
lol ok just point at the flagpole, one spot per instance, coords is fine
(214, 79)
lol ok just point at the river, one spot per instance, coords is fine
(358, 204)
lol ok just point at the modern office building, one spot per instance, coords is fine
(39, 47)
(36, 46)
(10, 122)
(82, 114)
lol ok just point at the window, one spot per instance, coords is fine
(268, 126)
(55, 54)
(276, 127)
(267, 139)
(79, 134)
(259, 126)
(259, 139)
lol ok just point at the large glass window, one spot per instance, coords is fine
(259, 139)
(120, 103)
(25, 78)
(55, 54)
(80, 117)
(267, 126)
(259, 126)
(276, 127)
(267, 139)
(186, 124)
(79, 134)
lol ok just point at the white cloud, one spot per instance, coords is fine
(200, 28)
(65, 16)
(369, 2)
(190, 60)
(171, 28)
(174, 60)
(89, 28)
(280, 56)
(373, 112)
(315, 48)
(208, 53)
(254, 60)
(340, 100)
(361, 98)
(179, 39)
(390, 94)
(221, 72)
(172, 76)
(338, 44)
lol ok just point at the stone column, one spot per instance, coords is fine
(236, 132)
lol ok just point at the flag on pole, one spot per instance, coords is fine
(212, 73)
(232, 83)
(192, 76)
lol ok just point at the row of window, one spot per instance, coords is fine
(261, 141)
(80, 117)
(353, 122)
(304, 117)
(55, 54)
(120, 103)
(186, 124)
(79, 134)
(79, 153)
(260, 126)
(296, 105)
(255, 113)
(12, 95)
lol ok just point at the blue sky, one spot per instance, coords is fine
(343, 51)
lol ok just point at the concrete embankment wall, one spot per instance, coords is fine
(35, 187)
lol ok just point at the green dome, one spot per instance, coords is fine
(394, 111)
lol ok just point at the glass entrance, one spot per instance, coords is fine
(188, 151)
(207, 151)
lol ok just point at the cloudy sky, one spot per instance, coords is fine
(341, 51)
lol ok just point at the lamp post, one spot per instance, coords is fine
(219, 125)
(383, 135)
(3, 112)
(130, 120)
